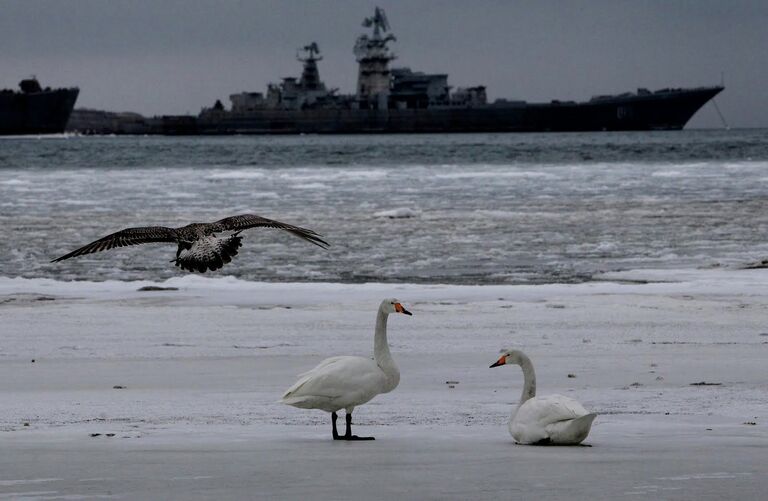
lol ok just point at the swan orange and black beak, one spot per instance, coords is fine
(501, 361)
(399, 308)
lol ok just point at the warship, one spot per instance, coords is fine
(399, 100)
(35, 110)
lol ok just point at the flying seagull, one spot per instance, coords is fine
(199, 247)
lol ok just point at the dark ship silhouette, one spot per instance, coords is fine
(399, 100)
(34, 110)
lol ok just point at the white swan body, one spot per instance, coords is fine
(556, 419)
(340, 383)
(551, 419)
(345, 382)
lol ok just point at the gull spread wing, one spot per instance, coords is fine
(245, 221)
(128, 236)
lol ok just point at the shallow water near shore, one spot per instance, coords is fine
(463, 209)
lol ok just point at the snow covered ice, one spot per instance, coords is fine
(171, 393)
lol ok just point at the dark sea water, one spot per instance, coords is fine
(479, 208)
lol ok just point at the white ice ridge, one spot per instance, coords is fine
(231, 290)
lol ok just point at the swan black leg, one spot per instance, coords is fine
(348, 435)
(334, 417)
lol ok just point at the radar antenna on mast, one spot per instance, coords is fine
(378, 21)
(365, 45)
(313, 53)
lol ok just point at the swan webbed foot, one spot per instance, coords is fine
(549, 442)
(352, 438)
(348, 432)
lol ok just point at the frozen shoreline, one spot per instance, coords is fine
(202, 366)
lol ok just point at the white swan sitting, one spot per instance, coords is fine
(553, 419)
(346, 382)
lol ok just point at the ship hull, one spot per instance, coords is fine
(44, 112)
(653, 111)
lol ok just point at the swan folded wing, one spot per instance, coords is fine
(327, 361)
(305, 377)
(338, 377)
(550, 409)
(246, 221)
(128, 236)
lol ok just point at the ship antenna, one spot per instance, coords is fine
(722, 118)
(313, 53)
(379, 22)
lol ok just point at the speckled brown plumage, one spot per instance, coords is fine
(199, 249)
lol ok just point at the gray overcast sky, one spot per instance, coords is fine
(176, 56)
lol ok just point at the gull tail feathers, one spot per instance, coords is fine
(210, 253)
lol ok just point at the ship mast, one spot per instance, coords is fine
(310, 76)
(373, 56)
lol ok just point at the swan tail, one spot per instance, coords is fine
(572, 431)
(290, 392)
(294, 401)
(309, 402)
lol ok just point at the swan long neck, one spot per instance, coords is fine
(529, 378)
(381, 353)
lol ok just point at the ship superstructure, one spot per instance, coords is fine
(373, 56)
(308, 91)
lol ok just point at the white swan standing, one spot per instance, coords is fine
(346, 382)
(552, 419)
